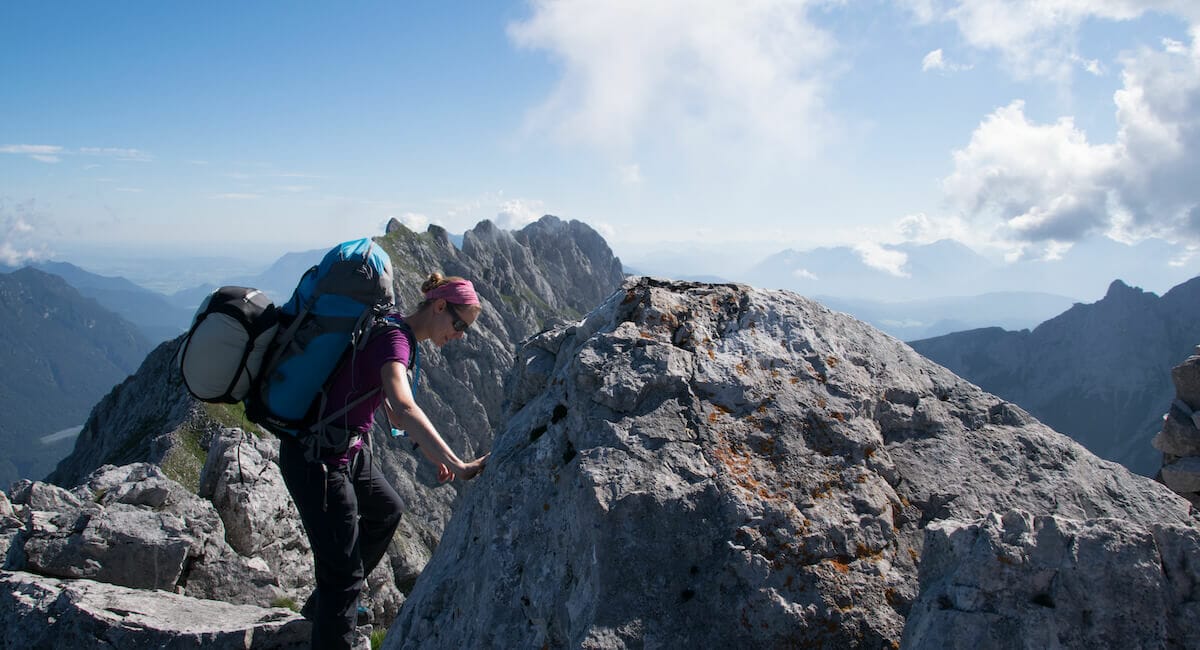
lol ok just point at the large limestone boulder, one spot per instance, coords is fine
(717, 466)
(38, 613)
(135, 527)
(1020, 581)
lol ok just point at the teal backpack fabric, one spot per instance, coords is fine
(330, 316)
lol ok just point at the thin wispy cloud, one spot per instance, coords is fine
(49, 153)
(237, 196)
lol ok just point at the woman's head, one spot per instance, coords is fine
(449, 307)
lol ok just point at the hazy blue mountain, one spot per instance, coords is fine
(157, 318)
(918, 319)
(949, 268)
(944, 268)
(61, 353)
(1098, 372)
(277, 281)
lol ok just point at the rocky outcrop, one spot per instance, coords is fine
(1020, 581)
(135, 527)
(1096, 372)
(39, 613)
(718, 466)
(1179, 439)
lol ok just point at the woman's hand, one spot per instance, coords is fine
(473, 468)
(465, 471)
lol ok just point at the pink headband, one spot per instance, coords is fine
(459, 292)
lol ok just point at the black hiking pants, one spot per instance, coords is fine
(350, 514)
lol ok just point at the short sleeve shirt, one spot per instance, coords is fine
(361, 374)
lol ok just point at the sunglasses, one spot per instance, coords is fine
(459, 325)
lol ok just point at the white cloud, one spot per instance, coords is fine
(16, 247)
(40, 152)
(516, 214)
(49, 153)
(936, 60)
(884, 259)
(411, 220)
(681, 73)
(120, 154)
(804, 274)
(1039, 38)
(1045, 186)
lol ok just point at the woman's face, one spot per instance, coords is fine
(453, 322)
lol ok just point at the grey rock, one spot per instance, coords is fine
(37, 612)
(1183, 475)
(120, 544)
(1179, 437)
(718, 466)
(133, 526)
(1186, 377)
(243, 483)
(1022, 581)
(6, 509)
(42, 496)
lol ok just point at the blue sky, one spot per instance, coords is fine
(730, 129)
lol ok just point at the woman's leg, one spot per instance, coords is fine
(329, 510)
(379, 507)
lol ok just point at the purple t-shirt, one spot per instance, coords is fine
(360, 375)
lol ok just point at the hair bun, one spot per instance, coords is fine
(435, 280)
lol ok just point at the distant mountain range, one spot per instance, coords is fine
(1098, 372)
(277, 281)
(908, 272)
(61, 353)
(917, 319)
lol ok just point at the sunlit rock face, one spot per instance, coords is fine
(697, 465)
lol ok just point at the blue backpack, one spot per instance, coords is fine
(332, 314)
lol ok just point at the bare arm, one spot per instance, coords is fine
(403, 413)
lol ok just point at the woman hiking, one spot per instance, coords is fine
(350, 511)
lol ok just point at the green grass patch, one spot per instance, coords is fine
(230, 416)
(377, 637)
(185, 459)
(286, 602)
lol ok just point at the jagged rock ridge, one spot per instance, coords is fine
(717, 466)
(1097, 372)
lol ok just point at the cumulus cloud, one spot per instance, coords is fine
(681, 70)
(1045, 185)
(516, 214)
